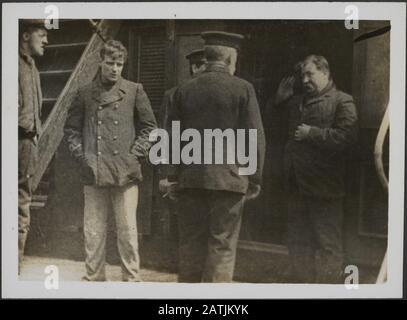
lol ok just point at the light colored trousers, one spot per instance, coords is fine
(99, 203)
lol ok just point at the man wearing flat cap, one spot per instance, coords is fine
(197, 64)
(211, 196)
(32, 42)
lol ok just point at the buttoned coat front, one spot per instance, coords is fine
(108, 130)
(317, 163)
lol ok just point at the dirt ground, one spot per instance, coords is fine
(66, 251)
(158, 260)
(70, 270)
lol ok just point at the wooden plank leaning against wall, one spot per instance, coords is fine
(84, 72)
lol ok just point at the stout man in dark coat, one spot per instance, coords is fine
(314, 171)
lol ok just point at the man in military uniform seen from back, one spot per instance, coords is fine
(197, 64)
(211, 196)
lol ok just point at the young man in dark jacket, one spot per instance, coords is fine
(107, 130)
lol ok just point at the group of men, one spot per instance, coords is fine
(108, 129)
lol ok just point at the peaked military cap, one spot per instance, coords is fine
(196, 56)
(221, 38)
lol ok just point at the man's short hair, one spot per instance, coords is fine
(319, 61)
(115, 49)
(218, 53)
(30, 26)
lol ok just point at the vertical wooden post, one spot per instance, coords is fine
(170, 66)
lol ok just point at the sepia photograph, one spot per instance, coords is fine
(181, 150)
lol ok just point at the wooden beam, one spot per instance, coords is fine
(56, 72)
(84, 72)
(66, 45)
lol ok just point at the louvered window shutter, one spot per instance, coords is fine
(151, 68)
(147, 67)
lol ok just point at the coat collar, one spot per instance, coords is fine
(216, 67)
(27, 58)
(326, 92)
(106, 95)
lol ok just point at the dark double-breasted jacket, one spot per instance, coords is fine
(108, 130)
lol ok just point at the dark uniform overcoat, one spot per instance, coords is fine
(217, 100)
